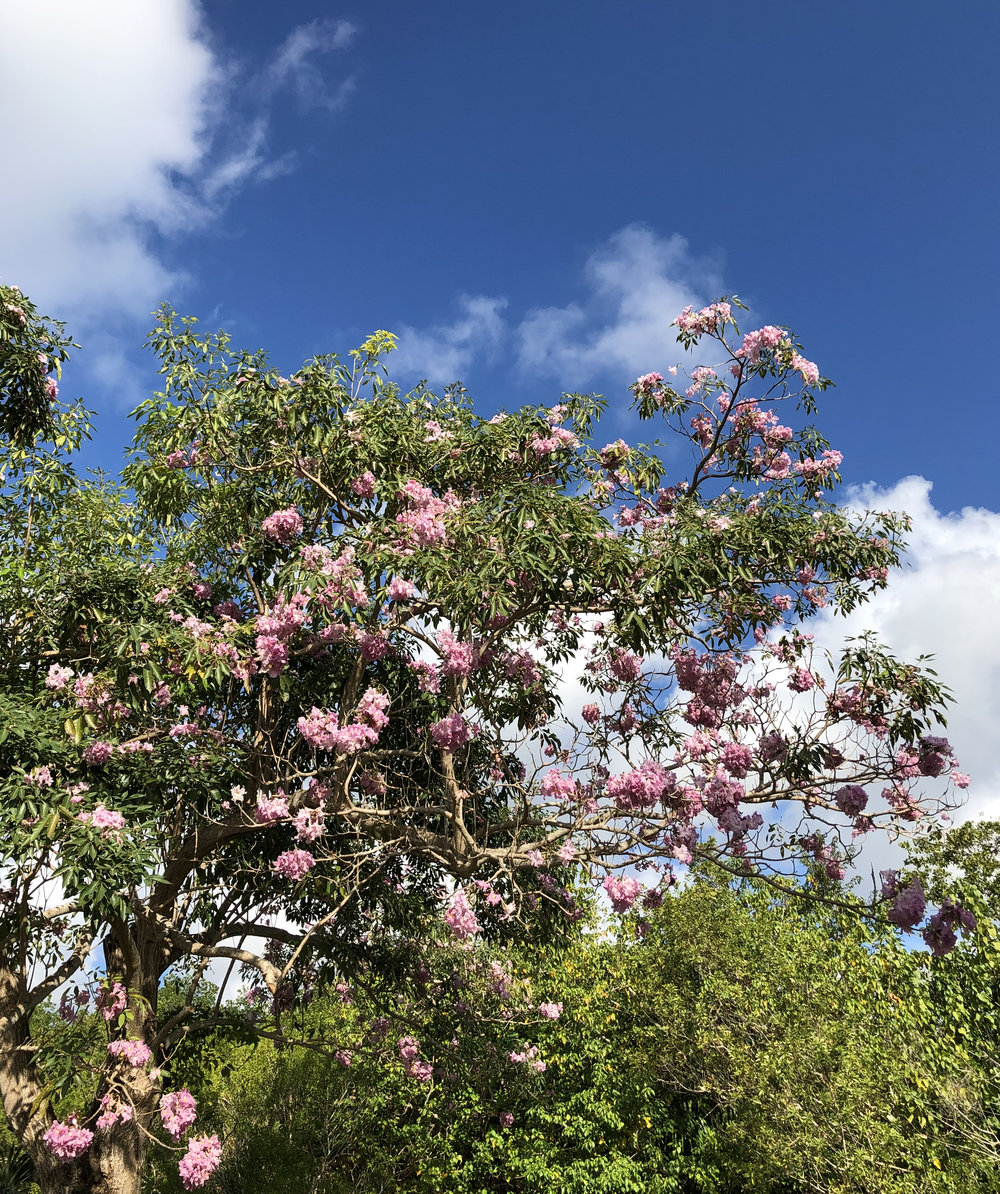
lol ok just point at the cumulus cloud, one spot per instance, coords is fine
(636, 283)
(943, 603)
(633, 286)
(127, 134)
(445, 353)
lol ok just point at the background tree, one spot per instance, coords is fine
(739, 1042)
(309, 659)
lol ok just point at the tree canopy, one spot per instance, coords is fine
(301, 686)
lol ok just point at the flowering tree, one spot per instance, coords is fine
(310, 681)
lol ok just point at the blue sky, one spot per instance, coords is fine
(832, 164)
(528, 193)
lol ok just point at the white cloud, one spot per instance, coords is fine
(637, 282)
(445, 353)
(294, 64)
(124, 130)
(942, 603)
(634, 285)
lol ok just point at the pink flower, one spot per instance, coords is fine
(622, 892)
(309, 824)
(113, 1112)
(66, 1142)
(460, 917)
(765, 339)
(809, 371)
(705, 320)
(452, 732)
(111, 1001)
(851, 799)
(551, 1011)
(557, 785)
(647, 383)
(506, 1119)
(409, 1048)
(283, 526)
(200, 1161)
(39, 777)
(364, 486)
(106, 820)
(401, 590)
(178, 1110)
(294, 864)
(801, 680)
(272, 808)
(640, 788)
(58, 677)
(98, 754)
(136, 1053)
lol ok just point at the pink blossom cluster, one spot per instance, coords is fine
(908, 903)
(635, 790)
(459, 658)
(271, 808)
(808, 371)
(428, 677)
(400, 590)
(283, 526)
(623, 665)
(622, 891)
(111, 1000)
(364, 486)
(851, 799)
(294, 864)
(58, 677)
(530, 1058)
(409, 1051)
(97, 754)
(939, 935)
(700, 378)
(178, 1111)
(136, 1053)
(557, 785)
(522, 667)
(109, 822)
(711, 679)
(551, 1011)
(828, 463)
(200, 1161)
(423, 521)
(345, 580)
(66, 1141)
(451, 732)
(647, 385)
(323, 730)
(113, 1112)
(613, 455)
(765, 339)
(39, 777)
(545, 445)
(309, 824)
(460, 917)
(275, 629)
(708, 319)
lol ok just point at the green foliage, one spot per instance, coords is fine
(742, 1045)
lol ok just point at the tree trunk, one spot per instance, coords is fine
(114, 1162)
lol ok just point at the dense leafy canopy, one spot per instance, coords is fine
(301, 688)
